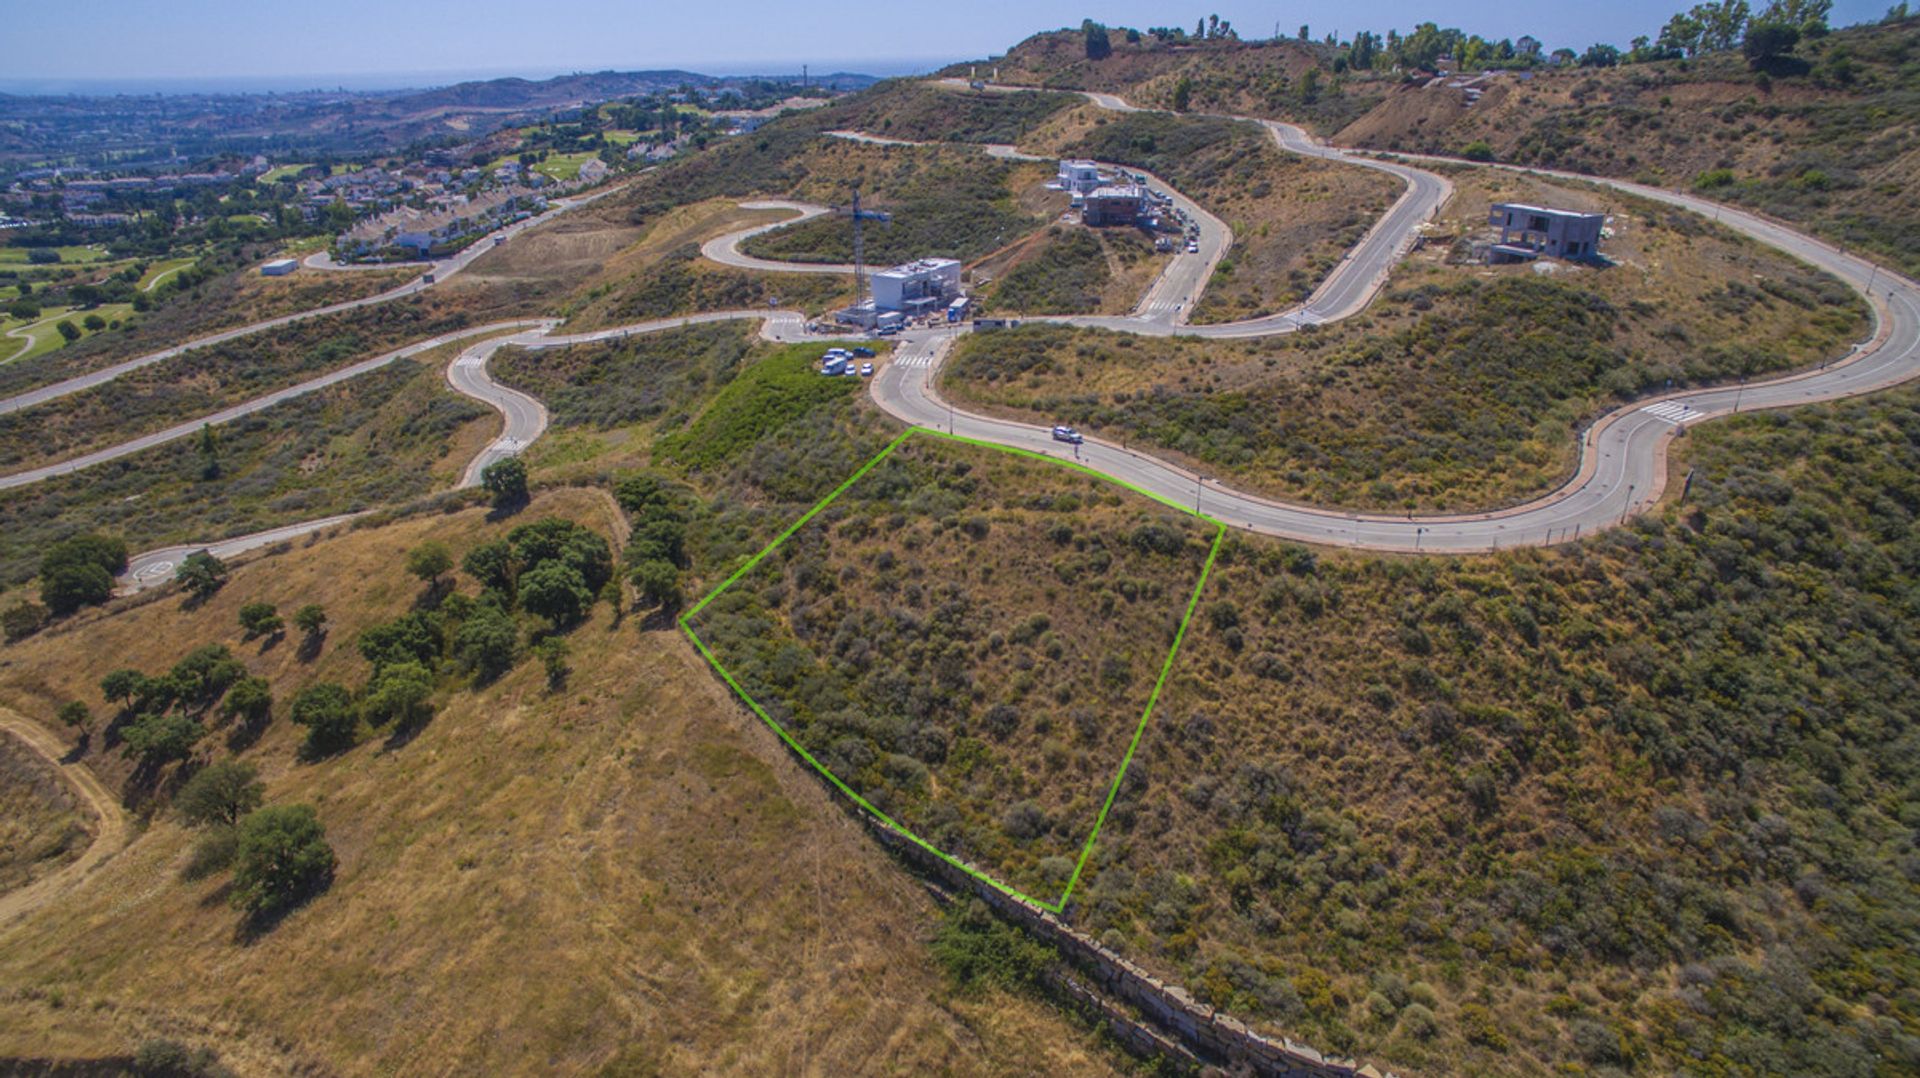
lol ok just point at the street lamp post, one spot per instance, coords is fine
(1417, 533)
(1197, 480)
(1629, 507)
(1739, 393)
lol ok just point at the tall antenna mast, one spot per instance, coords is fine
(859, 262)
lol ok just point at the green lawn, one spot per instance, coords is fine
(564, 166)
(42, 335)
(158, 273)
(621, 138)
(90, 253)
(281, 172)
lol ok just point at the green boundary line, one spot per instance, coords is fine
(1139, 730)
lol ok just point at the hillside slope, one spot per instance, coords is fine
(1829, 139)
(1834, 149)
(536, 880)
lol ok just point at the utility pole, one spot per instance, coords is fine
(1629, 508)
(859, 264)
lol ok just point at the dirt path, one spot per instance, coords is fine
(111, 836)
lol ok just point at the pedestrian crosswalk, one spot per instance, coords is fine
(1679, 413)
(1155, 307)
(915, 359)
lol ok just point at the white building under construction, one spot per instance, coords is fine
(916, 289)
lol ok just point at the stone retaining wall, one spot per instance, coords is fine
(1202, 1032)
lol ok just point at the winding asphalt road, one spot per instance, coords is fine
(725, 249)
(524, 418)
(227, 415)
(440, 272)
(1623, 455)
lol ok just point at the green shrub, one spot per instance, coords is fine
(219, 794)
(281, 858)
(213, 851)
(326, 710)
(765, 397)
(979, 950)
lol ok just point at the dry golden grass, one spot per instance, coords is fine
(256, 297)
(537, 882)
(42, 828)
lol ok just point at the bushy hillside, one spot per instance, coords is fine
(910, 110)
(1823, 136)
(1832, 147)
(1463, 387)
(1246, 78)
(1643, 803)
(950, 204)
(968, 639)
(386, 437)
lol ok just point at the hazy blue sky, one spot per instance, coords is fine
(136, 41)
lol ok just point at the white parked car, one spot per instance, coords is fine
(866, 370)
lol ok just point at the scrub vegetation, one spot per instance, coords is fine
(619, 383)
(960, 205)
(385, 437)
(1639, 802)
(910, 110)
(220, 292)
(1462, 387)
(1068, 270)
(205, 380)
(968, 638)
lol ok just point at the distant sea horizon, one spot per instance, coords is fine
(374, 82)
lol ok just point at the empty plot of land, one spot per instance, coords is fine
(968, 640)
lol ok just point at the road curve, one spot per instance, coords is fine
(227, 415)
(525, 420)
(440, 272)
(726, 249)
(153, 568)
(525, 417)
(109, 838)
(1623, 455)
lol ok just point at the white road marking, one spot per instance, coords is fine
(1679, 413)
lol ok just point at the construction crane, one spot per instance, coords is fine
(859, 250)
